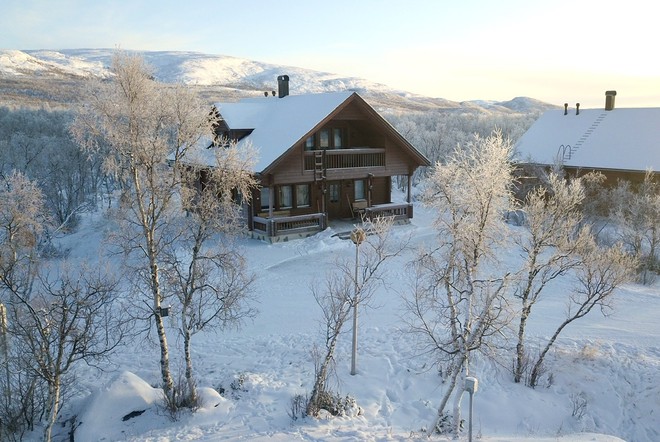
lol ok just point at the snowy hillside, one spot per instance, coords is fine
(220, 71)
(605, 383)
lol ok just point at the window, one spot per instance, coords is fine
(265, 198)
(359, 190)
(324, 139)
(302, 195)
(309, 143)
(285, 197)
(337, 138)
(333, 192)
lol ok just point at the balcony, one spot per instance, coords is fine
(346, 158)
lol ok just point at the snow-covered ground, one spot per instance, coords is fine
(605, 383)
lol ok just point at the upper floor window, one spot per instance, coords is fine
(324, 138)
(310, 143)
(337, 138)
(328, 138)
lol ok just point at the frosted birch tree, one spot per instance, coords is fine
(636, 212)
(457, 299)
(205, 270)
(22, 220)
(550, 246)
(350, 283)
(68, 318)
(601, 271)
(49, 323)
(145, 130)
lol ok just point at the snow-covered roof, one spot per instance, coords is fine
(279, 123)
(620, 139)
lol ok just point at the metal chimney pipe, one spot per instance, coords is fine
(577, 108)
(282, 86)
(609, 100)
(565, 108)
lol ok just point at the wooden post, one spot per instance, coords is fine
(409, 197)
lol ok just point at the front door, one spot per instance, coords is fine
(337, 200)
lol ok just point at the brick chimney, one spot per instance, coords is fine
(609, 100)
(282, 86)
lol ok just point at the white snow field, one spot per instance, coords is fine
(605, 383)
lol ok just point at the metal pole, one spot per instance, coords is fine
(357, 236)
(355, 309)
(470, 423)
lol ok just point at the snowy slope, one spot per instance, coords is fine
(611, 363)
(209, 70)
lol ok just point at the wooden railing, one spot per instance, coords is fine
(400, 211)
(282, 225)
(348, 158)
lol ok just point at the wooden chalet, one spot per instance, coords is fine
(620, 143)
(321, 157)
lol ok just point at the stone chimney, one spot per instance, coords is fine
(609, 100)
(282, 86)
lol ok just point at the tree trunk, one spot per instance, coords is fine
(321, 378)
(192, 390)
(54, 408)
(458, 397)
(168, 383)
(520, 347)
(455, 372)
(536, 371)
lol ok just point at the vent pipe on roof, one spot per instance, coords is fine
(282, 86)
(565, 108)
(609, 100)
(577, 108)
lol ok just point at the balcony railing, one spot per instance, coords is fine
(399, 211)
(286, 225)
(282, 226)
(347, 158)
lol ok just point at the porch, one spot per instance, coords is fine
(282, 227)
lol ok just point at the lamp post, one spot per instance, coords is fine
(357, 236)
(471, 386)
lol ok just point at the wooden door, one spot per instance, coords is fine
(337, 202)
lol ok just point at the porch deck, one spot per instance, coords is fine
(284, 228)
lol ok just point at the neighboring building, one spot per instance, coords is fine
(320, 157)
(620, 143)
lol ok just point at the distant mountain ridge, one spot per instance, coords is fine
(239, 76)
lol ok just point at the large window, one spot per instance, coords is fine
(285, 197)
(265, 198)
(329, 138)
(359, 190)
(302, 195)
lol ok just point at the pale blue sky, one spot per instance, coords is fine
(554, 50)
